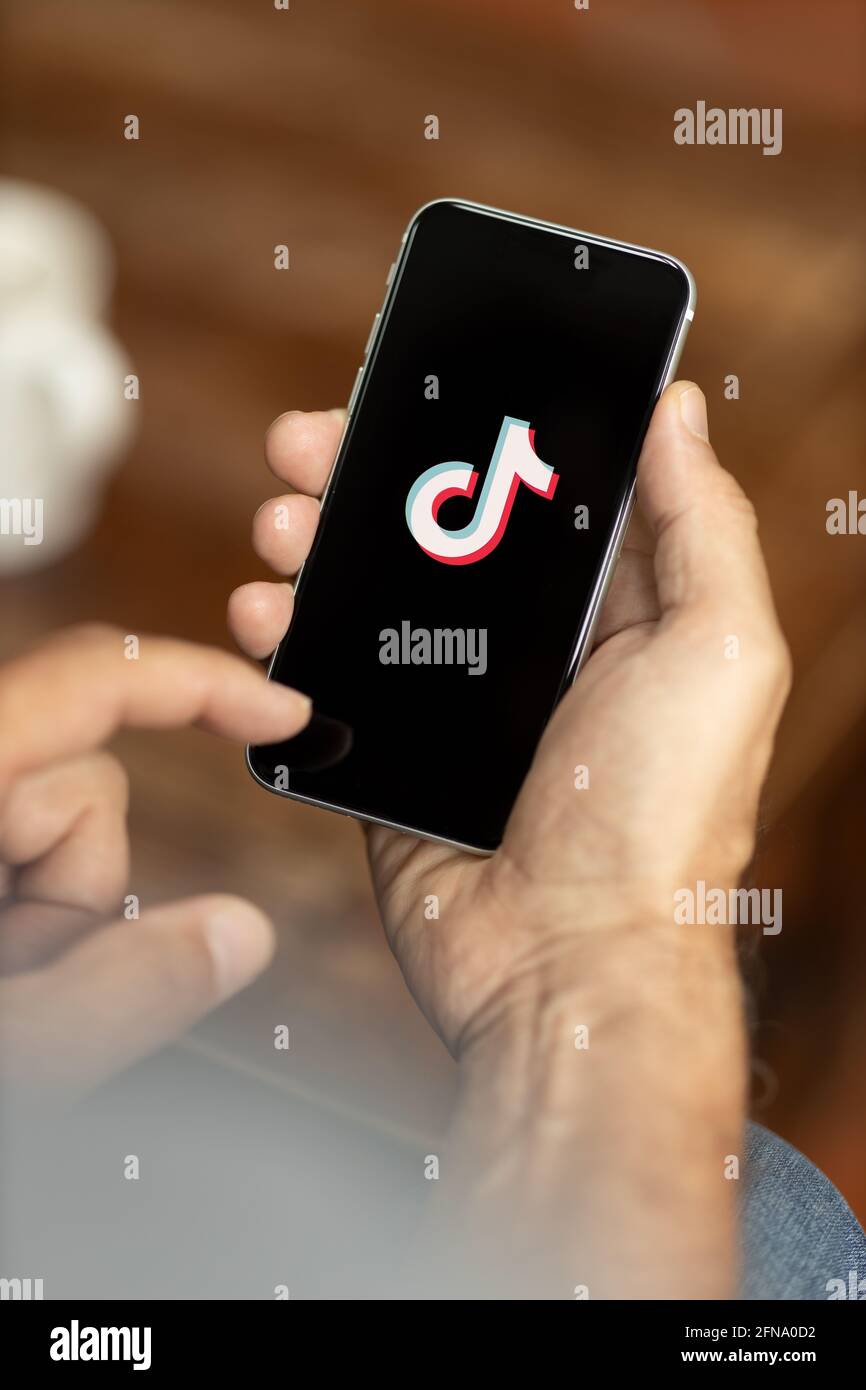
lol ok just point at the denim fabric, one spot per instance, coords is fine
(798, 1232)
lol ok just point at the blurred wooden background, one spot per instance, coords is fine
(305, 127)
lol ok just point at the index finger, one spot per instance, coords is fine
(70, 694)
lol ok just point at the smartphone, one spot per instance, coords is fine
(474, 514)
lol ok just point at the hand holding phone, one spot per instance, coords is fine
(646, 778)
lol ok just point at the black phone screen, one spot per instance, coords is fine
(489, 454)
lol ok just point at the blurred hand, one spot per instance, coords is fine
(676, 733)
(82, 996)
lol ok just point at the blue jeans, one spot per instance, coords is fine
(798, 1232)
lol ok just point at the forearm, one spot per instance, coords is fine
(597, 1115)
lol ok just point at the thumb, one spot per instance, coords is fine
(127, 990)
(707, 550)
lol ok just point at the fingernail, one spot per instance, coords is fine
(284, 416)
(693, 409)
(240, 941)
(291, 699)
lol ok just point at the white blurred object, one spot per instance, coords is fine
(63, 414)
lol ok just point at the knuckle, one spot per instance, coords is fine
(742, 505)
(740, 845)
(732, 494)
(784, 665)
(772, 661)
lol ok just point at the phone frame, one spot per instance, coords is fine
(583, 641)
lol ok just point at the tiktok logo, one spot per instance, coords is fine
(514, 462)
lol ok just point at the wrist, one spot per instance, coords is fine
(600, 1098)
(664, 975)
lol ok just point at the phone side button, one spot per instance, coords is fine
(372, 333)
(390, 275)
(355, 389)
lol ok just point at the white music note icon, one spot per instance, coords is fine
(514, 461)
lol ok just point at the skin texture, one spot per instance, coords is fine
(676, 736)
(602, 1168)
(571, 922)
(82, 995)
